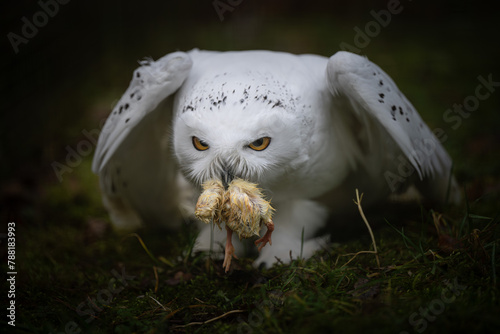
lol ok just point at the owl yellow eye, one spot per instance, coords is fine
(199, 144)
(260, 144)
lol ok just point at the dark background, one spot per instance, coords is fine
(67, 77)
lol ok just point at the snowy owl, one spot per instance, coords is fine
(306, 130)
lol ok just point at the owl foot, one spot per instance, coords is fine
(229, 252)
(267, 237)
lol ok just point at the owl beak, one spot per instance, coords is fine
(226, 176)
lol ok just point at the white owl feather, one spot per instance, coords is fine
(301, 127)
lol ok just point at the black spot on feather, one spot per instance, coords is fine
(277, 104)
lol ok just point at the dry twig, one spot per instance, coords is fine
(358, 203)
(209, 320)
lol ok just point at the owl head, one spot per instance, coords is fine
(248, 131)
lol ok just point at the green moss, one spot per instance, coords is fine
(330, 292)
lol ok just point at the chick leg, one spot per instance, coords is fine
(267, 237)
(229, 253)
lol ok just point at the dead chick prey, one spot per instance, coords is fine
(241, 207)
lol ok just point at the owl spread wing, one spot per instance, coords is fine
(404, 145)
(136, 170)
(151, 83)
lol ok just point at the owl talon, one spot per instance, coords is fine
(267, 237)
(229, 251)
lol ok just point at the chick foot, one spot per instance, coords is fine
(229, 252)
(267, 237)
